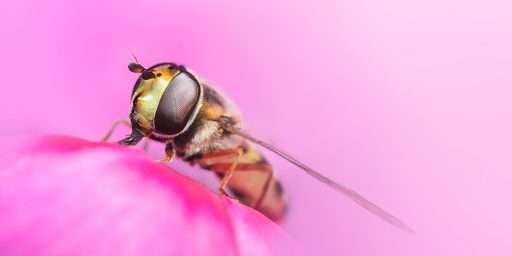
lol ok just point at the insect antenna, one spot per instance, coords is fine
(136, 61)
(357, 198)
(135, 67)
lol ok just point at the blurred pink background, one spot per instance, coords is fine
(407, 103)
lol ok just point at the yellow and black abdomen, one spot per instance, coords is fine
(253, 182)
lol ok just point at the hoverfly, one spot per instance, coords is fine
(170, 104)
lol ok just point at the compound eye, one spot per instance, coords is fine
(177, 104)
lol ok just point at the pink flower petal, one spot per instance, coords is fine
(66, 196)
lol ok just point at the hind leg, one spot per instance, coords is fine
(210, 160)
(264, 191)
(225, 179)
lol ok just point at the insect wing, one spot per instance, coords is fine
(360, 200)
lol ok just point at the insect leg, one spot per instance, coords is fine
(263, 192)
(169, 153)
(113, 128)
(228, 175)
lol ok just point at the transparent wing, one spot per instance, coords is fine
(360, 200)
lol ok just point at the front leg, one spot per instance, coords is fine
(113, 128)
(132, 139)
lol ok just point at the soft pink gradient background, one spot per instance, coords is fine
(407, 103)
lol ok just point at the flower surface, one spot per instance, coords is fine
(67, 196)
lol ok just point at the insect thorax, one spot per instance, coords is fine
(206, 134)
